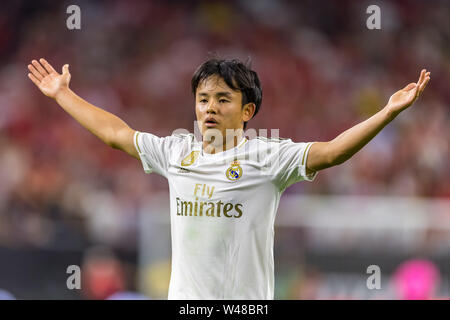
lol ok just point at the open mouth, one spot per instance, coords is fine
(210, 122)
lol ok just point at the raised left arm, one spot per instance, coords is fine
(327, 154)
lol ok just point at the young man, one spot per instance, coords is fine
(224, 189)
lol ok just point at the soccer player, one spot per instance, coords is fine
(224, 189)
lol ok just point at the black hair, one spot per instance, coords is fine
(236, 74)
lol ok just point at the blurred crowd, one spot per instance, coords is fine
(322, 71)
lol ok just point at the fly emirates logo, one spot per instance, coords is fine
(207, 208)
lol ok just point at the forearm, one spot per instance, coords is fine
(344, 146)
(101, 123)
(323, 155)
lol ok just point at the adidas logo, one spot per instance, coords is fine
(183, 170)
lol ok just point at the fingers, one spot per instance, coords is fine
(35, 73)
(34, 79)
(39, 68)
(65, 69)
(47, 66)
(421, 77)
(410, 86)
(425, 82)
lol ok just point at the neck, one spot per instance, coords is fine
(228, 143)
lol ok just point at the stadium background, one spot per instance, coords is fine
(67, 199)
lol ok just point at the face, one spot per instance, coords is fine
(218, 108)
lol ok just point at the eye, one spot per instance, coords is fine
(223, 101)
(203, 100)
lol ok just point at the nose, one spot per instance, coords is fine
(211, 108)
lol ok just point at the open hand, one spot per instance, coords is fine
(47, 79)
(405, 97)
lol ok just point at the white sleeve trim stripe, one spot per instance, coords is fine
(312, 175)
(142, 156)
(306, 151)
(136, 145)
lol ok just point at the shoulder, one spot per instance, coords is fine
(266, 140)
(181, 143)
(278, 147)
(269, 143)
(182, 137)
(174, 138)
(167, 144)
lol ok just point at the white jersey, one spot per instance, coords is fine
(222, 211)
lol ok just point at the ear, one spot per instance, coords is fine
(248, 111)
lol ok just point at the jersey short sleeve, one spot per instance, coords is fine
(288, 162)
(154, 151)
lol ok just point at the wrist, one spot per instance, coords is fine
(390, 113)
(61, 93)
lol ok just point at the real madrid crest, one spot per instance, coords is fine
(234, 172)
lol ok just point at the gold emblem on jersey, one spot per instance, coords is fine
(190, 159)
(234, 172)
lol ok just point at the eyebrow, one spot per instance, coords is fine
(218, 94)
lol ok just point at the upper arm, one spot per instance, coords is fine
(287, 162)
(319, 157)
(123, 140)
(155, 152)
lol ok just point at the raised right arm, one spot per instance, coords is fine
(106, 126)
